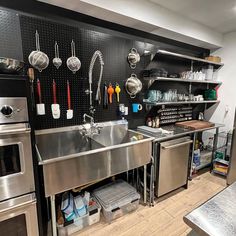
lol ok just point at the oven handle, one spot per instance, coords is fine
(16, 131)
(30, 202)
(177, 145)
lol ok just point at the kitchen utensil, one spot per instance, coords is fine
(56, 60)
(55, 107)
(31, 78)
(133, 57)
(73, 63)
(38, 59)
(137, 107)
(69, 112)
(133, 85)
(155, 72)
(10, 66)
(40, 107)
(117, 91)
(110, 91)
(105, 96)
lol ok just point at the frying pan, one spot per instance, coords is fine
(10, 66)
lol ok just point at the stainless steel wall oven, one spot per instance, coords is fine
(18, 214)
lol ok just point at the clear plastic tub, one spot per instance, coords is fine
(117, 199)
(110, 215)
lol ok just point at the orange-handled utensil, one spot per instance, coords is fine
(110, 91)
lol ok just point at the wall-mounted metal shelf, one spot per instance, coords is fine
(152, 79)
(173, 54)
(179, 102)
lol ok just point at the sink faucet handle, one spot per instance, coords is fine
(92, 110)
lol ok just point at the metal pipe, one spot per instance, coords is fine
(145, 184)
(53, 214)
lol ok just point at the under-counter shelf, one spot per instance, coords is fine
(219, 172)
(222, 161)
(179, 103)
(205, 158)
(168, 53)
(182, 80)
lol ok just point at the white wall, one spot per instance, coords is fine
(227, 91)
(146, 16)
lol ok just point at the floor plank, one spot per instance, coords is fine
(166, 217)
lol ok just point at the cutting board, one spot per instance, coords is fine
(195, 124)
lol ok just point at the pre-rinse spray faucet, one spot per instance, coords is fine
(97, 54)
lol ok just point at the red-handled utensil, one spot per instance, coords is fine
(54, 88)
(69, 112)
(40, 107)
(39, 91)
(55, 107)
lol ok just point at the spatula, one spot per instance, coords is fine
(55, 107)
(40, 107)
(69, 112)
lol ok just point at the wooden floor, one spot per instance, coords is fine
(166, 217)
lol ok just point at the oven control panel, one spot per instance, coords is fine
(13, 110)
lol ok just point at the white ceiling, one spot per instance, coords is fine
(217, 14)
(154, 16)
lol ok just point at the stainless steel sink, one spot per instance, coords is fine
(71, 160)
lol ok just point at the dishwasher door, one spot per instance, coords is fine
(173, 165)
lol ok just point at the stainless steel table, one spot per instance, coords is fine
(216, 217)
(177, 132)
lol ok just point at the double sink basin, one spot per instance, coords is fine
(70, 159)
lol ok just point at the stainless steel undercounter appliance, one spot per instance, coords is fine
(172, 165)
(17, 190)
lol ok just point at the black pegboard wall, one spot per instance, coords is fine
(116, 69)
(10, 36)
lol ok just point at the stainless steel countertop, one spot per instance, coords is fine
(177, 132)
(217, 216)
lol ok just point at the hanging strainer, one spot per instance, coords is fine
(73, 62)
(39, 60)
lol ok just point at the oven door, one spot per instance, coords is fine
(16, 169)
(18, 216)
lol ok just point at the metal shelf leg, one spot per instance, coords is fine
(53, 213)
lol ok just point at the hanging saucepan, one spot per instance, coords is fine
(73, 63)
(133, 85)
(39, 60)
(133, 58)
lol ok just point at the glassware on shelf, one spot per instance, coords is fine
(154, 95)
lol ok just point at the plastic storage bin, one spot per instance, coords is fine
(92, 217)
(117, 199)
